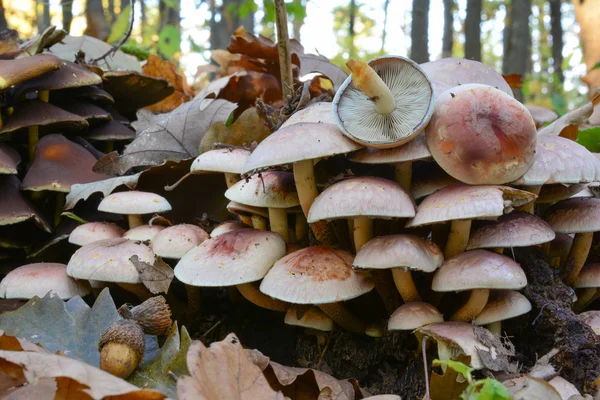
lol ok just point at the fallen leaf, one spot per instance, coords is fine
(317, 63)
(9, 41)
(157, 277)
(499, 359)
(49, 37)
(165, 69)
(40, 389)
(515, 81)
(448, 386)
(248, 128)
(568, 125)
(243, 42)
(106, 187)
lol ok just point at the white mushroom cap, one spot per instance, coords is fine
(243, 209)
(109, 261)
(134, 203)
(503, 305)
(143, 233)
(589, 277)
(565, 388)
(412, 151)
(228, 226)
(38, 279)
(317, 112)
(268, 189)
(592, 318)
(541, 115)
(312, 318)
(414, 315)
(574, 215)
(175, 241)
(316, 275)
(232, 258)
(411, 88)
(94, 231)
(228, 160)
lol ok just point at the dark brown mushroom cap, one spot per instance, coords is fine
(518, 229)
(13, 72)
(70, 75)
(134, 90)
(111, 130)
(89, 111)
(577, 215)
(14, 208)
(88, 93)
(58, 164)
(39, 113)
(9, 159)
(557, 192)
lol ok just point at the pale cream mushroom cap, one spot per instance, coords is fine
(560, 191)
(134, 203)
(529, 388)
(94, 231)
(503, 305)
(228, 160)
(274, 189)
(228, 226)
(175, 241)
(565, 388)
(243, 209)
(312, 318)
(317, 112)
(577, 215)
(414, 315)
(143, 233)
(541, 115)
(38, 279)
(589, 277)
(414, 150)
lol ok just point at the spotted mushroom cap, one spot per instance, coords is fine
(134, 203)
(576, 215)
(229, 160)
(312, 318)
(317, 113)
(589, 277)
(143, 233)
(274, 189)
(412, 151)
(505, 304)
(228, 226)
(94, 231)
(411, 316)
(175, 241)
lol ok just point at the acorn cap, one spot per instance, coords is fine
(9, 159)
(414, 150)
(411, 316)
(153, 316)
(362, 196)
(399, 251)
(14, 208)
(553, 193)
(428, 179)
(125, 332)
(143, 233)
(133, 90)
(134, 203)
(229, 160)
(589, 277)
(38, 279)
(312, 318)
(478, 269)
(232, 258)
(175, 241)
(503, 305)
(110, 130)
(315, 275)
(274, 189)
(94, 231)
(39, 113)
(517, 229)
(592, 318)
(70, 75)
(88, 111)
(574, 216)
(243, 209)
(228, 226)
(23, 69)
(315, 113)
(541, 115)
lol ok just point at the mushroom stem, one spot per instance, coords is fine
(168, 188)
(246, 219)
(60, 203)
(495, 328)
(530, 207)
(109, 146)
(386, 290)
(194, 302)
(304, 177)
(301, 226)
(255, 296)
(367, 81)
(477, 301)
(363, 231)
(134, 220)
(555, 262)
(231, 179)
(138, 289)
(585, 298)
(259, 222)
(340, 314)
(405, 285)
(403, 174)
(499, 250)
(44, 95)
(33, 138)
(279, 223)
(351, 230)
(582, 243)
(439, 234)
(458, 237)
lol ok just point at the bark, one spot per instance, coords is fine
(3, 24)
(297, 23)
(556, 31)
(517, 57)
(220, 32)
(419, 50)
(506, 35)
(351, 31)
(111, 10)
(587, 14)
(67, 14)
(473, 30)
(97, 25)
(44, 22)
(143, 21)
(385, 20)
(448, 38)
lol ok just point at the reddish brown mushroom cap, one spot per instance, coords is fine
(175, 241)
(414, 315)
(88, 93)
(574, 216)
(23, 69)
(134, 90)
(38, 279)
(480, 135)
(88, 111)
(70, 75)
(39, 113)
(14, 208)
(59, 164)
(9, 159)
(94, 231)
(111, 130)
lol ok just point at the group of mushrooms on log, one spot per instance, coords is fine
(467, 176)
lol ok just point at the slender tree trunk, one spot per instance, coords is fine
(297, 23)
(111, 10)
(448, 38)
(220, 32)
(96, 22)
(587, 14)
(556, 31)
(506, 36)
(351, 31)
(543, 39)
(386, 5)
(517, 59)
(44, 21)
(3, 24)
(419, 50)
(473, 30)
(67, 14)
(143, 21)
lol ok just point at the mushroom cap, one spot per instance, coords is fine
(39, 113)
(428, 179)
(564, 388)
(312, 318)
(530, 388)
(87, 93)
(59, 164)
(458, 336)
(133, 90)
(553, 193)
(592, 318)
(23, 69)
(134, 203)
(175, 241)
(317, 112)
(503, 305)
(94, 231)
(481, 135)
(399, 251)
(574, 215)
(478, 269)
(411, 316)
(228, 226)
(355, 113)
(412, 151)
(299, 142)
(9, 159)
(228, 160)
(460, 201)
(541, 115)
(589, 277)
(109, 261)
(315, 275)
(517, 229)
(89, 111)
(143, 233)
(274, 189)
(14, 208)
(243, 209)
(69, 75)
(561, 245)
(560, 160)
(362, 196)
(110, 130)
(38, 279)
(449, 72)
(232, 258)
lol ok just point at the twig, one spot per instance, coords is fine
(213, 327)
(283, 45)
(124, 39)
(540, 314)
(424, 350)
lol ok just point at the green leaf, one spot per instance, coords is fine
(170, 3)
(559, 104)
(590, 139)
(269, 10)
(448, 386)
(491, 389)
(458, 366)
(120, 26)
(73, 216)
(597, 66)
(169, 41)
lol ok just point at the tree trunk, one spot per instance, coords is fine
(556, 31)
(419, 50)
(220, 32)
(506, 35)
(44, 22)
(543, 40)
(385, 20)
(67, 14)
(448, 38)
(351, 31)
(3, 24)
(588, 15)
(96, 22)
(111, 10)
(143, 21)
(473, 30)
(296, 23)
(516, 60)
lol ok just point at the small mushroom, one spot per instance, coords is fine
(564, 388)
(133, 90)
(144, 233)
(134, 204)
(14, 208)
(109, 132)
(428, 179)
(312, 318)
(411, 316)
(93, 114)
(175, 241)
(530, 388)
(94, 231)
(229, 161)
(588, 280)
(9, 160)
(24, 69)
(502, 305)
(541, 115)
(255, 217)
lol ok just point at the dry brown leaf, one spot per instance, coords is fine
(39, 390)
(499, 359)
(9, 41)
(223, 371)
(568, 125)
(248, 128)
(157, 277)
(317, 63)
(156, 66)
(515, 81)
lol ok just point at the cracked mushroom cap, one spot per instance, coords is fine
(355, 113)
(589, 277)
(577, 215)
(274, 189)
(14, 208)
(460, 201)
(134, 203)
(503, 305)
(109, 261)
(312, 318)
(111, 130)
(39, 113)
(411, 316)
(232, 258)
(362, 196)
(9, 160)
(541, 115)
(317, 113)
(428, 179)
(414, 150)
(94, 231)
(592, 318)
(144, 233)
(38, 279)
(23, 69)
(552, 193)
(478, 269)
(175, 241)
(228, 226)
(530, 388)
(299, 142)
(69, 75)
(228, 160)
(394, 251)
(517, 229)
(59, 164)
(243, 209)
(315, 275)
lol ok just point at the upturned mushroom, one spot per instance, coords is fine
(502, 305)
(411, 316)
(134, 204)
(93, 231)
(311, 318)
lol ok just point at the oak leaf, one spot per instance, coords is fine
(156, 277)
(156, 66)
(107, 186)
(568, 125)
(248, 128)
(318, 63)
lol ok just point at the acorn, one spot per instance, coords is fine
(153, 315)
(122, 347)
